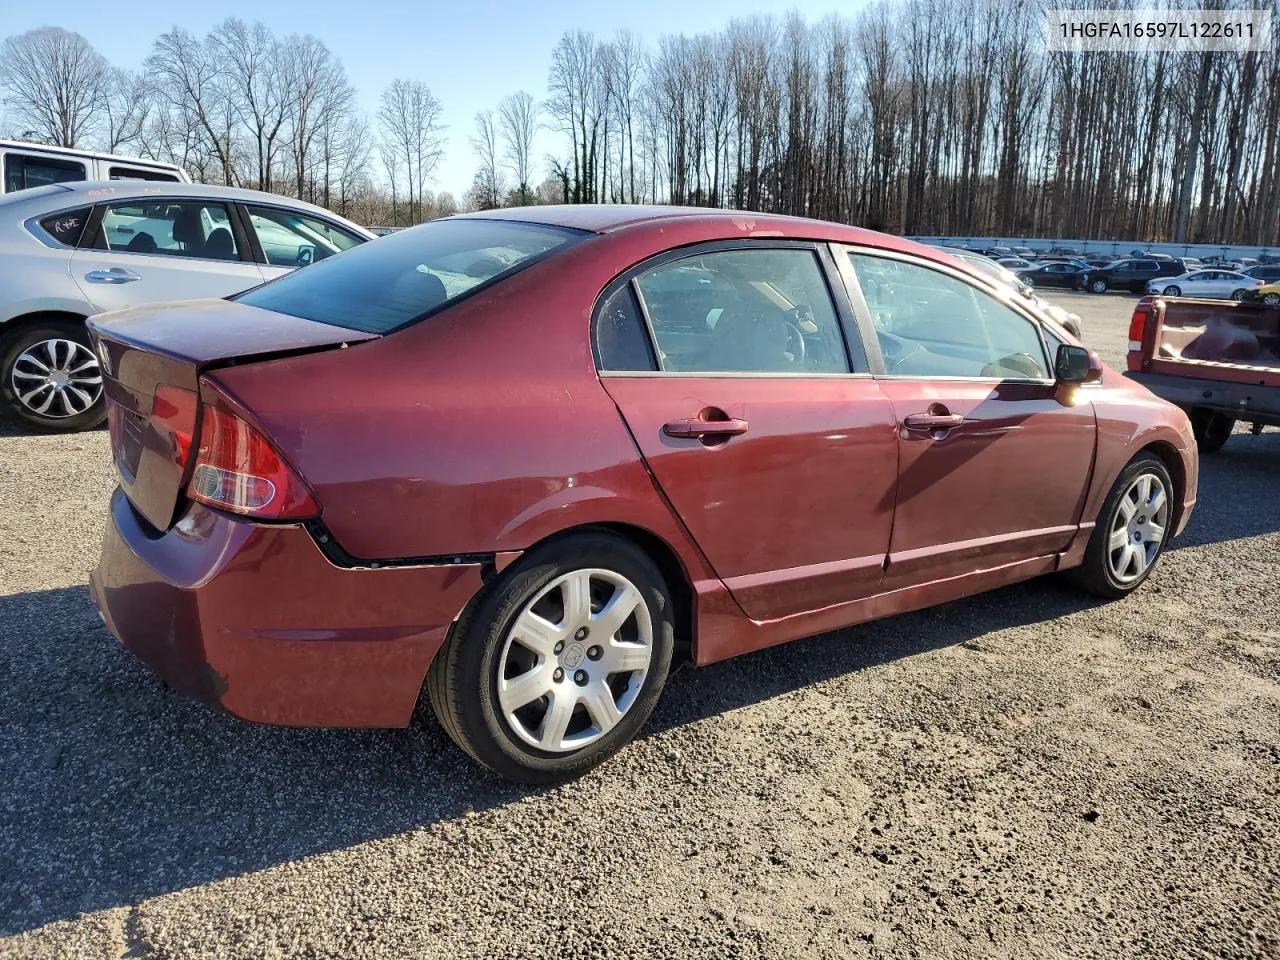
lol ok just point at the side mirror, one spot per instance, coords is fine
(1077, 365)
(306, 253)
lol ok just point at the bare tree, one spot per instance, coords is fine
(51, 81)
(412, 133)
(249, 67)
(186, 74)
(127, 105)
(487, 189)
(576, 104)
(518, 119)
(320, 98)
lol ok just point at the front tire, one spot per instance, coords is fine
(1133, 526)
(559, 662)
(1098, 286)
(1239, 296)
(50, 380)
(1272, 299)
(1173, 290)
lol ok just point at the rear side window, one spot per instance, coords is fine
(140, 173)
(21, 172)
(377, 287)
(66, 227)
(170, 228)
(622, 343)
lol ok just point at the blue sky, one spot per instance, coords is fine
(471, 53)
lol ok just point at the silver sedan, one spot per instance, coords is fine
(1214, 284)
(70, 250)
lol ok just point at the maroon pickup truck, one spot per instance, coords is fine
(1219, 361)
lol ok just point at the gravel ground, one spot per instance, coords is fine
(1027, 773)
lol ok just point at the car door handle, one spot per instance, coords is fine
(112, 275)
(932, 421)
(698, 428)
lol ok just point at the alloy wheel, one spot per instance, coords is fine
(575, 659)
(56, 378)
(1138, 528)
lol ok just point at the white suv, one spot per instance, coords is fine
(27, 165)
(70, 250)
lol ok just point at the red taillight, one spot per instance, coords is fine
(238, 470)
(1137, 330)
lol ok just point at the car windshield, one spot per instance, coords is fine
(399, 279)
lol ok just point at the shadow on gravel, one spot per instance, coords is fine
(1239, 492)
(115, 791)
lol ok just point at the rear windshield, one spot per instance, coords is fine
(395, 280)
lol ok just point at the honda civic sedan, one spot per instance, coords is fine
(527, 460)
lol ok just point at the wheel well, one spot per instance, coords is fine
(9, 327)
(668, 564)
(1173, 463)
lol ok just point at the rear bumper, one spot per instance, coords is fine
(1252, 402)
(255, 620)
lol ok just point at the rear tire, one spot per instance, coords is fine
(1212, 429)
(1111, 567)
(475, 683)
(1272, 299)
(22, 355)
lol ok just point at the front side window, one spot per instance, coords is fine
(403, 277)
(22, 172)
(932, 324)
(170, 228)
(291, 239)
(744, 311)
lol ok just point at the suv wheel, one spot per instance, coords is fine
(49, 378)
(559, 662)
(1132, 529)
(1098, 286)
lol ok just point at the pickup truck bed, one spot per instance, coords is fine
(1218, 361)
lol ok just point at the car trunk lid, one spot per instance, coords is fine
(152, 360)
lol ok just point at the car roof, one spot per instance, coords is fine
(29, 147)
(96, 191)
(608, 217)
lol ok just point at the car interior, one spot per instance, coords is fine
(930, 324)
(174, 229)
(765, 311)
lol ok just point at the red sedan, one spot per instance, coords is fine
(528, 458)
